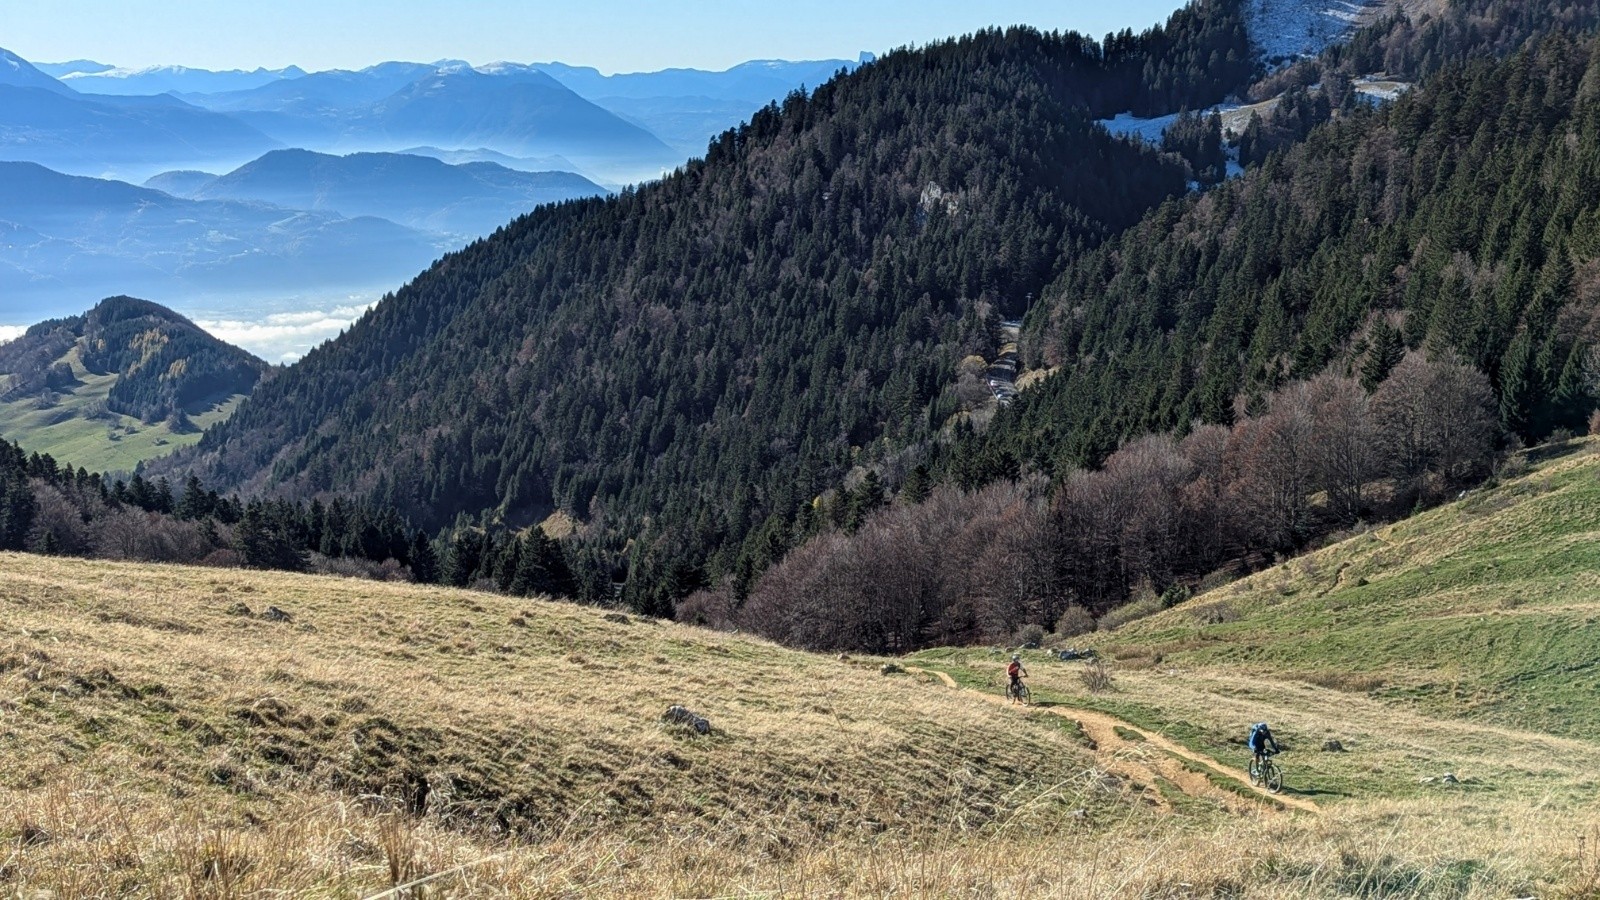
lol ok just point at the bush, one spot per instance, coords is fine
(716, 609)
(1097, 678)
(1075, 621)
(1513, 466)
(1028, 635)
(1173, 595)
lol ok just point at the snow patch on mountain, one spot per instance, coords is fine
(1285, 30)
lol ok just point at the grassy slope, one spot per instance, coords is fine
(110, 443)
(159, 741)
(1463, 640)
(1482, 610)
(138, 688)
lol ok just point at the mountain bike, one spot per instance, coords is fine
(1266, 772)
(1019, 693)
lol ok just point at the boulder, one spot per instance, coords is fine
(677, 715)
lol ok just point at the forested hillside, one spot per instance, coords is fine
(165, 365)
(690, 362)
(1463, 218)
(1340, 336)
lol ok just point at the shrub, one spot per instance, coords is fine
(1096, 677)
(1513, 466)
(1074, 621)
(1173, 595)
(1028, 635)
(1215, 613)
(715, 608)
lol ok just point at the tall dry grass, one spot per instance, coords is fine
(161, 743)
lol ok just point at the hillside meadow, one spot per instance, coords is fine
(167, 734)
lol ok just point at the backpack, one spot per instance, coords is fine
(1257, 733)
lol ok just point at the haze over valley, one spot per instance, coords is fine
(274, 206)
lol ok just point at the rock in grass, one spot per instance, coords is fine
(618, 618)
(891, 669)
(677, 715)
(1332, 747)
(274, 614)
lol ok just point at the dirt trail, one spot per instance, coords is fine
(1133, 760)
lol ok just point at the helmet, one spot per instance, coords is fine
(1016, 657)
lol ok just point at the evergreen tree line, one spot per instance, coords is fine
(698, 363)
(49, 508)
(964, 567)
(1464, 218)
(693, 361)
(1404, 48)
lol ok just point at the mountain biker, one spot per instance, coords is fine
(1260, 737)
(1017, 673)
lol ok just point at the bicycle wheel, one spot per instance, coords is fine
(1273, 776)
(1024, 696)
(1255, 772)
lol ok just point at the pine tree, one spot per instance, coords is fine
(263, 545)
(1386, 352)
(424, 561)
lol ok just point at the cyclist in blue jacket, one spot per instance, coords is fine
(1260, 738)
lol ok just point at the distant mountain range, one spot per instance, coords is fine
(417, 191)
(44, 121)
(18, 72)
(620, 128)
(98, 78)
(66, 239)
(282, 187)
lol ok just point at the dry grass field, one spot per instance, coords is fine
(164, 737)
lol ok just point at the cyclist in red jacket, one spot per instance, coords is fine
(1017, 673)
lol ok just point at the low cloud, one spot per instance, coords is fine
(11, 332)
(284, 337)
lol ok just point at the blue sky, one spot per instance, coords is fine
(612, 35)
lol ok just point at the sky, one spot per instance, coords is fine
(611, 35)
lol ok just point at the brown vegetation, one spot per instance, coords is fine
(1132, 537)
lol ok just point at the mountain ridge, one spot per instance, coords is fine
(132, 369)
(893, 257)
(470, 199)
